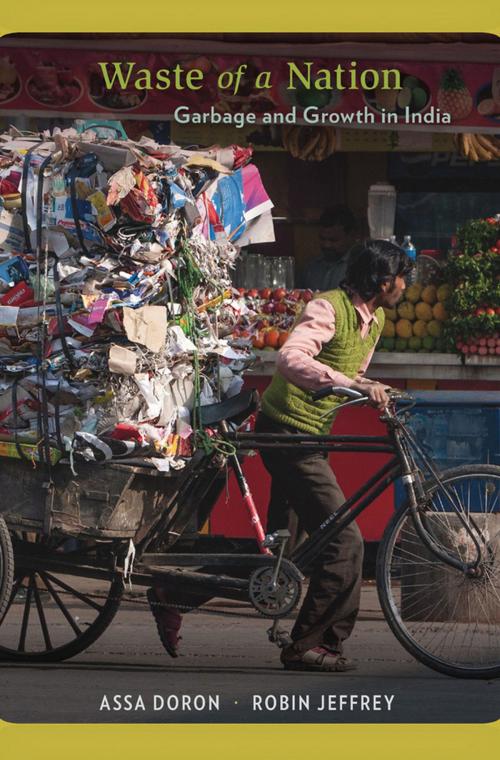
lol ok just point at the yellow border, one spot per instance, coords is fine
(257, 16)
(187, 742)
(247, 742)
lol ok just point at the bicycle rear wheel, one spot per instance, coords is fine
(445, 618)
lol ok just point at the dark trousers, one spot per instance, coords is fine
(304, 482)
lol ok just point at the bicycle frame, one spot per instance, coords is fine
(399, 442)
(202, 483)
(355, 504)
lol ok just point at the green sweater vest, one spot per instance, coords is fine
(346, 351)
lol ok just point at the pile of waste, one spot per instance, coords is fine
(115, 292)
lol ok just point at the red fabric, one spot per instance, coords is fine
(7, 188)
(124, 432)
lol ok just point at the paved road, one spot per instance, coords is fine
(229, 659)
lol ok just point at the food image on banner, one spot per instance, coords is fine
(10, 84)
(414, 95)
(488, 97)
(53, 85)
(115, 98)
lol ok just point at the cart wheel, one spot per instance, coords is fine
(50, 614)
(6, 568)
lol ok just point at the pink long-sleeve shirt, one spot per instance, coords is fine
(316, 326)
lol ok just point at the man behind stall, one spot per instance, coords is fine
(338, 233)
(331, 345)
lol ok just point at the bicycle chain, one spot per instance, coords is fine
(181, 607)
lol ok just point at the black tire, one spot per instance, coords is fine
(42, 622)
(6, 568)
(423, 598)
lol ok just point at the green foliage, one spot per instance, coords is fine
(477, 235)
(475, 281)
(474, 275)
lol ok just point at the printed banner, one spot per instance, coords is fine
(340, 92)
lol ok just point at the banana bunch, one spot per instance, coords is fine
(478, 147)
(309, 143)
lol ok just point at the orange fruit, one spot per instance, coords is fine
(283, 338)
(271, 338)
(258, 341)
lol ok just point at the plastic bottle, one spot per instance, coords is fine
(381, 210)
(411, 251)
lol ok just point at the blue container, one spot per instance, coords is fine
(455, 428)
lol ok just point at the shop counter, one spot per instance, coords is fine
(410, 366)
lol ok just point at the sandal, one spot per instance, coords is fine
(168, 622)
(319, 658)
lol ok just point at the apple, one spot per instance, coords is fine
(279, 294)
(490, 312)
(280, 308)
(253, 293)
(483, 351)
(307, 295)
(268, 308)
(265, 293)
(474, 349)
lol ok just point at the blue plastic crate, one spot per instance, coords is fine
(455, 428)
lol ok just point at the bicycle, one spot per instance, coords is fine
(437, 566)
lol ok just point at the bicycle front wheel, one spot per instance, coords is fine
(446, 618)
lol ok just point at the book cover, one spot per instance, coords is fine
(170, 202)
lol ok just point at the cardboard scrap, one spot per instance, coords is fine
(147, 326)
(122, 361)
(208, 163)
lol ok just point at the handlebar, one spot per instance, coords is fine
(394, 394)
(337, 391)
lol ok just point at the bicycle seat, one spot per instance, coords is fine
(233, 409)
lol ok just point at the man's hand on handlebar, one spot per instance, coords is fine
(371, 391)
(377, 393)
